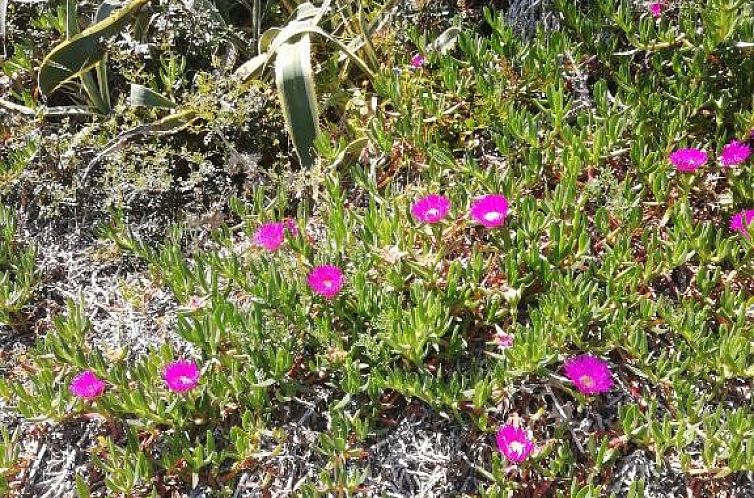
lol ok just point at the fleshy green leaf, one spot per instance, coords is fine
(83, 51)
(295, 83)
(143, 96)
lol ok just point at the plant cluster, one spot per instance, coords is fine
(527, 236)
(9, 453)
(19, 274)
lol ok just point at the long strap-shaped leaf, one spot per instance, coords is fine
(87, 79)
(146, 97)
(104, 11)
(82, 52)
(305, 23)
(294, 76)
(294, 79)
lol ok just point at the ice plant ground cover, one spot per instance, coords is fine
(521, 266)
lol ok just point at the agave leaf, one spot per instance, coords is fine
(253, 68)
(294, 79)
(446, 40)
(301, 30)
(91, 88)
(83, 51)
(305, 19)
(146, 97)
(306, 23)
(267, 38)
(307, 16)
(104, 11)
(274, 38)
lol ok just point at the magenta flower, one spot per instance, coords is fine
(688, 160)
(740, 222)
(417, 61)
(181, 375)
(326, 280)
(271, 235)
(430, 209)
(514, 443)
(656, 8)
(86, 385)
(490, 210)
(590, 374)
(734, 153)
(503, 340)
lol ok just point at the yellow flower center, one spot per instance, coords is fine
(586, 380)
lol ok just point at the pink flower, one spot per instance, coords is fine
(514, 443)
(688, 160)
(503, 340)
(417, 61)
(195, 302)
(734, 153)
(490, 210)
(656, 8)
(86, 385)
(740, 222)
(590, 374)
(181, 375)
(430, 209)
(271, 235)
(326, 280)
